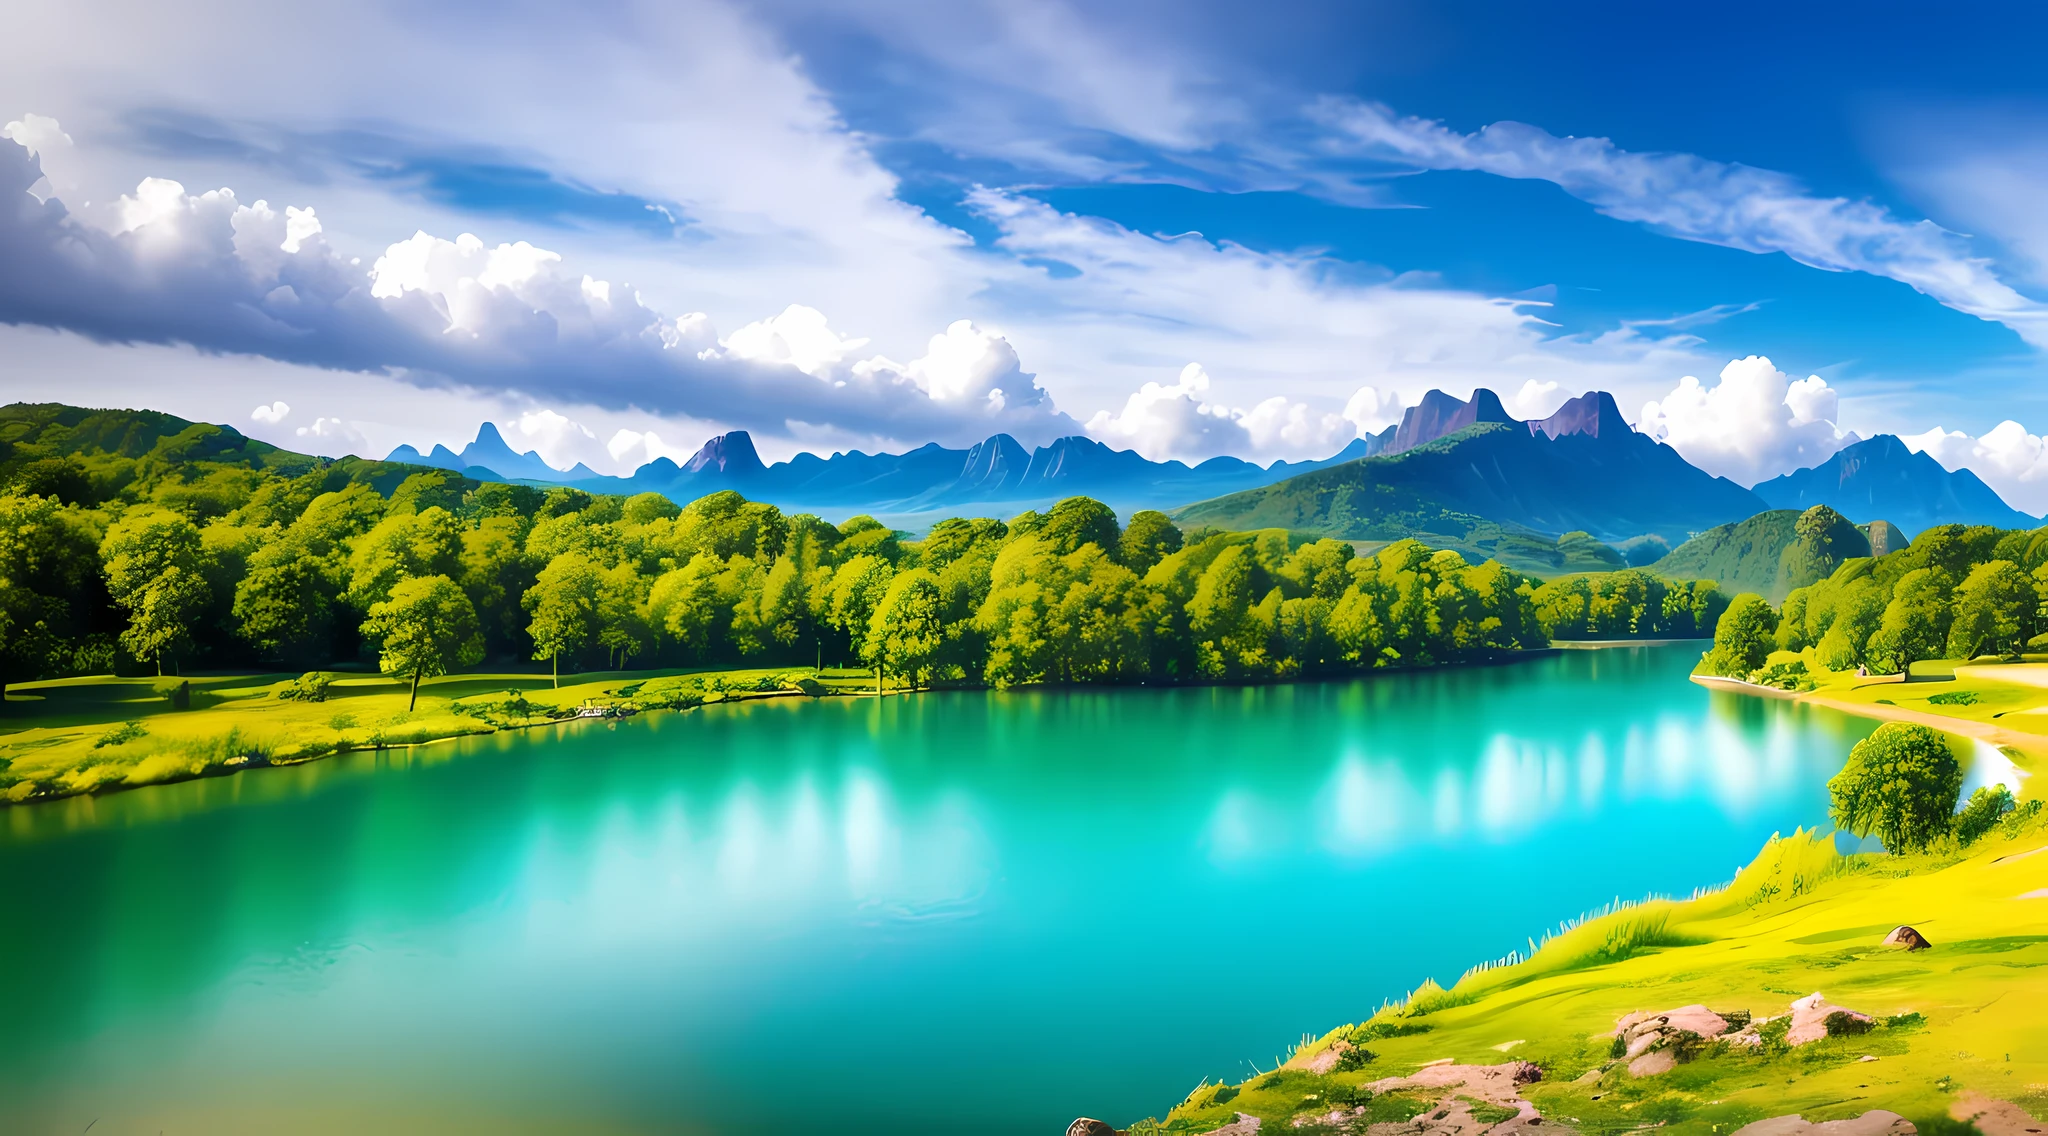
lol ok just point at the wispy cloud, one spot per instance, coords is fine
(1695, 198)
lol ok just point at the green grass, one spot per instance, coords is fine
(90, 735)
(1965, 1015)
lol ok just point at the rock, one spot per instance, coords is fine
(1089, 1126)
(1995, 1117)
(1652, 1063)
(1876, 1122)
(1865, 1057)
(1906, 939)
(1242, 1126)
(1527, 1073)
(1814, 1017)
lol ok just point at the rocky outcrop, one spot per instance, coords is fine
(1454, 1087)
(1814, 1017)
(1876, 1122)
(1244, 1125)
(1654, 1042)
(1089, 1126)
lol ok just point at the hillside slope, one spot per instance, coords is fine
(1615, 485)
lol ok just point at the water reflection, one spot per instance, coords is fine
(648, 921)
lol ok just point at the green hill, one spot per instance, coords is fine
(1763, 554)
(1500, 489)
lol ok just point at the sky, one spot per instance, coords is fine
(1187, 229)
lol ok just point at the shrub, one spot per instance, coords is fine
(125, 732)
(309, 687)
(1901, 783)
(1954, 698)
(1986, 807)
(1355, 1058)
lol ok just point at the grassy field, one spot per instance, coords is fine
(1969, 1016)
(100, 733)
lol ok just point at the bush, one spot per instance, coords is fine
(1986, 808)
(1785, 676)
(1355, 1058)
(309, 687)
(1901, 783)
(125, 732)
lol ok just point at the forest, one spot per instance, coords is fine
(1956, 592)
(165, 545)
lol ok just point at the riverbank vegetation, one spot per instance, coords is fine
(139, 545)
(1572, 1034)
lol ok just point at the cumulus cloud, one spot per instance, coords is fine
(1536, 399)
(271, 414)
(1722, 203)
(167, 266)
(1371, 410)
(631, 449)
(2009, 459)
(333, 437)
(1753, 424)
(1174, 421)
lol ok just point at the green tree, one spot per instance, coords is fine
(1077, 521)
(563, 602)
(1743, 641)
(1986, 807)
(1148, 539)
(684, 604)
(1989, 606)
(401, 546)
(1915, 623)
(1900, 783)
(906, 635)
(427, 627)
(153, 569)
(284, 605)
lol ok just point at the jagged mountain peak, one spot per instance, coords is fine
(731, 453)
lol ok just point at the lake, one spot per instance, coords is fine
(957, 912)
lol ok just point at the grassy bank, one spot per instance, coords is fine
(1953, 1027)
(97, 734)
(2004, 703)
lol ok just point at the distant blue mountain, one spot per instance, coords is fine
(995, 472)
(1881, 480)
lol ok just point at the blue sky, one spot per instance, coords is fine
(1181, 228)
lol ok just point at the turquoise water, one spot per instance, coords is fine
(958, 912)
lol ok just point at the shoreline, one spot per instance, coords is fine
(1882, 712)
(605, 692)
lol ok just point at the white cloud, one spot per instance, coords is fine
(1536, 399)
(333, 437)
(1754, 424)
(2009, 459)
(272, 413)
(1168, 422)
(798, 337)
(1722, 203)
(560, 441)
(631, 449)
(1371, 411)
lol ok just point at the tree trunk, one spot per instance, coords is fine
(159, 666)
(557, 660)
(415, 699)
(878, 681)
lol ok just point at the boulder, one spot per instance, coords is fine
(1906, 939)
(1089, 1126)
(1995, 1117)
(1652, 1063)
(1243, 1126)
(1814, 1017)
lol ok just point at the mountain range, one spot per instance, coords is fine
(1463, 473)
(929, 479)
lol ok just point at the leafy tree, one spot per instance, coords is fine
(1989, 606)
(1743, 641)
(402, 546)
(1915, 623)
(858, 586)
(906, 636)
(622, 612)
(684, 603)
(1077, 521)
(1900, 783)
(284, 604)
(153, 569)
(426, 627)
(563, 601)
(1858, 612)
(1148, 539)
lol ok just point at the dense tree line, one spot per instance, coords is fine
(1955, 592)
(210, 550)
